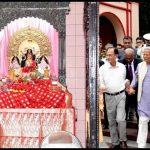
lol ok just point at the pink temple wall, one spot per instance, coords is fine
(75, 64)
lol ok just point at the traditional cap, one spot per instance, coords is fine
(146, 36)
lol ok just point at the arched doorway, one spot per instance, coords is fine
(111, 28)
(107, 32)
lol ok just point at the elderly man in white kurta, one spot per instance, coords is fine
(143, 74)
(113, 83)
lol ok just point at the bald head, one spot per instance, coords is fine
(129, 51)
(129, 54)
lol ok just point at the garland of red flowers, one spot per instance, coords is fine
(30, 68)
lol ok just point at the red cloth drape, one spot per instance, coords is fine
(38, 94)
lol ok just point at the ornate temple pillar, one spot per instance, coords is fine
(92, 110)
(62, 58)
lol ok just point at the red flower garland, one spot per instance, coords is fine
(31, 68)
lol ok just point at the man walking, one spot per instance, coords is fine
(113, 83)
(143, 74)
(131, 65)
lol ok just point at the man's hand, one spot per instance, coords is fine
(127, 84)
(101, 114)
(131, 91)
(102, 90)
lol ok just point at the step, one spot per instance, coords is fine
(132, 124)
(131, 131)
(131, 134)
(131, 144)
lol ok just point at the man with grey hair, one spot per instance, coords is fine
(131, 63)
(127, 43)
(146, 37)
(143, 76)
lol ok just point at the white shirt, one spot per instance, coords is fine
(139, 50)
(112, 78)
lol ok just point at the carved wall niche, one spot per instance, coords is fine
(53, 12)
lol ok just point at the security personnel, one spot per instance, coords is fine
(147, 43)
(147, 38)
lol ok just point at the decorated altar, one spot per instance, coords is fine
(33, 103)
(35, 109)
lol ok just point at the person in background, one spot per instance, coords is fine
(101, 111)
(127, 43)
(139, 41)
(131, 64)
(113, 83)
(146, 38)
(120, 49)
(101, 62)
(139, 45)
(102, 52)
(143, 76)
(119, 46)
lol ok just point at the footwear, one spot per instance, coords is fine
(141, 146)
(123, 144)
(114, 146)
(105, 126)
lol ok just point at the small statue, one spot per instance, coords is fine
(11, 73)
(28, 59)
(15, 70)
(44, 67)
(46, 72)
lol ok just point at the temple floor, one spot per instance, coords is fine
(130, 143)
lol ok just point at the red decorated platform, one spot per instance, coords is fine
(32, 110)
(26, 128)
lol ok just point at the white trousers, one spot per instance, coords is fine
(142, 131)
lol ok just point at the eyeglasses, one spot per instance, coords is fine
(138, 42)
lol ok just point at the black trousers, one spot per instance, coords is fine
(131, 102)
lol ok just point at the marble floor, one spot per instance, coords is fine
(131, 144)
